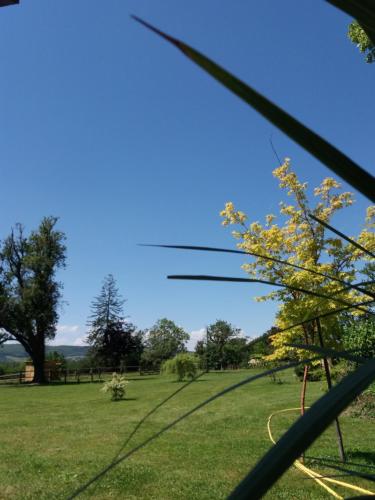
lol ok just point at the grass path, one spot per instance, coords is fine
(54, 438)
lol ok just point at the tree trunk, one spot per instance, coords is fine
(303, 388)
(38, 357)
(329, 385)
(304, 382)
(303, 396)
(305, 373)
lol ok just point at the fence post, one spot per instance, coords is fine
(65, 375)
(91, 375)
(20, 378)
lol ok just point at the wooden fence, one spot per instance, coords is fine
(65, 376)
(12, 378)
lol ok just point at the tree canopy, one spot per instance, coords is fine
(302, 241)
(163, 341)
(223, 346)
(29, 291)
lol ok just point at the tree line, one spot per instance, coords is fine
(115, 341)
(30, 294)
(312, 274)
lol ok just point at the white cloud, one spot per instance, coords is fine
(243, 334)
(195, 335)
(67, 328)
(68, 335)
(80, 341)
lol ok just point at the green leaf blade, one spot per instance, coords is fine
(303, 433)
(328, 154)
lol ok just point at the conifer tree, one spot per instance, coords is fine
(113, 340)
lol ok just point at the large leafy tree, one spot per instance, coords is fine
(163, 341)
(29, 290)
(222, 346)
(113, 340)
(300, 240)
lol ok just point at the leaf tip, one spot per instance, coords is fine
(155, 30)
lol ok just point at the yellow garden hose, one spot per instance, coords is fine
(315, 475)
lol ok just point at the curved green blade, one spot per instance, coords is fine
(303, 433)
(337, 161)
(205, 277)
(362, 10)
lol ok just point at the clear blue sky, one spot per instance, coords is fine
(109, 128)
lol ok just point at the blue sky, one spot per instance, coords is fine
(109, 128)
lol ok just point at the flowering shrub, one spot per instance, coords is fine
(116, 386)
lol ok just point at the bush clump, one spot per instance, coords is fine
(116, 387)
(363, 406)
(184, 365)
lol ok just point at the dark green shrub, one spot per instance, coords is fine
(359, 335)
(315, 373)
(363, 406)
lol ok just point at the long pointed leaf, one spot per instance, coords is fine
(341, 164)
(342, 235)
(273, 259)
(205, 277)
(327, 352)
(313, 318)
(4, 3)
(303, 433)
(362, 10)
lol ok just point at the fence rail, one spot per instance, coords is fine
(95, 374)
(12, 378)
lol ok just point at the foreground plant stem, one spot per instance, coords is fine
(304, 383)
(329, 385)
(305, 373)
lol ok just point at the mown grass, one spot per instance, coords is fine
(54, 438)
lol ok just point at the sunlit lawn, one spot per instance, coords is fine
(54, 438)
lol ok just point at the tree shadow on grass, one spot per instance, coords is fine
(367, 456)
(123, 399)
(185, 381)
(140, 379)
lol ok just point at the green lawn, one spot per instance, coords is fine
(54, 438)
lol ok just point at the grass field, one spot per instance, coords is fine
(54, 438)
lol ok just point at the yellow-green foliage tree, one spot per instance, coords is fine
(359, 36)
(300, 240)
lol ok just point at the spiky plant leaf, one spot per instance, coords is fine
(303, 433)
(328, 154)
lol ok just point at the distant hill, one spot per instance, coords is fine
(15, 352)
